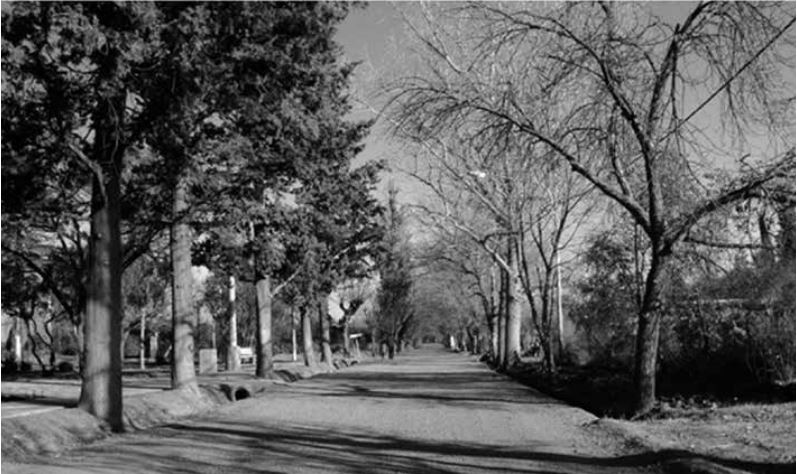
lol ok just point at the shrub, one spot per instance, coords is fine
(770, 347)
(726, 348)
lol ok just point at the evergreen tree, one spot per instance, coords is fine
(296, 174)
(67, 72)
(395, 316)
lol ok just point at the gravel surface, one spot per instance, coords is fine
(429, 411)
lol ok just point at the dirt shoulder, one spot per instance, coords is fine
(756, 433)
(702, 436)
(63, 429)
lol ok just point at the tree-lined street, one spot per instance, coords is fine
(596, 199)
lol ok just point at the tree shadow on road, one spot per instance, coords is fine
(43, 401)
(237, 447)
(454, 389)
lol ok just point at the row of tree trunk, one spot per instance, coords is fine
(504, 319)
(101, 392)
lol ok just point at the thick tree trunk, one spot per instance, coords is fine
(323, 319)
(514, 311)
(346, 342)
(264, 356)
(492, 323)
(513, 326)
(101, 388)
(493, 314)
(307, 337)
(550, 360)
(233, 358)
(391, 348)
(183, 318)
(647, 339)
(33, 345)
(501, 320)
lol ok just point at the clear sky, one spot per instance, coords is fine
(371, 35)
(375, 35)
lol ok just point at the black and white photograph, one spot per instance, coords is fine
(421, 237)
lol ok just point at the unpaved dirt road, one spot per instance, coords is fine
(430, 411)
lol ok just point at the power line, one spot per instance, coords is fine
(734, 76)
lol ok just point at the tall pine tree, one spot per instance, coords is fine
(394, 319)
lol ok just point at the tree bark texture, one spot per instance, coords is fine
(501, 319)
(513, 323)
(647, 340)
(346, 342)
(492, 324)
(307, 337)
(323, 319)
(514, 310)
(183, 318)
(264, 356)
(101, 388)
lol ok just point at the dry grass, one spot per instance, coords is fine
(721, 429)
(758, 433)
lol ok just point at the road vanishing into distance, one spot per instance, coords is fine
(429, 411)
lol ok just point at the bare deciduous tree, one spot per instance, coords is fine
(611, 90)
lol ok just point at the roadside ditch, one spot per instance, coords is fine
(53, 432)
